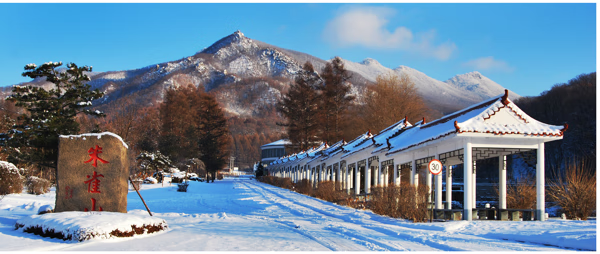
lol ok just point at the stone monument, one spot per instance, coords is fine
(92, 173)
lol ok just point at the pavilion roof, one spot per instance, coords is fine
(380, 139)
(496, 116)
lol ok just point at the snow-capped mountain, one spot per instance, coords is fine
(477, 84)
(451, 95)
(248, 76)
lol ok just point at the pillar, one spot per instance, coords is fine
(413, 170)
(396, 175)
(540, 184)
(386, 175)
(438, 189)
(468, 182)
(474, 196)
(356, 179)
(502, 183)
(429, 184)
(448, 187)
(380, 173)
(368, 179)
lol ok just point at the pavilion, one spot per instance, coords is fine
(494, 128)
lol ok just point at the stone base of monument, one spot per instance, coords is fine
(82, 226)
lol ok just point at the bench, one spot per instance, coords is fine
(516, 214)
(182, 187)
(448, 214)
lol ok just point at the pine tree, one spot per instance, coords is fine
(213, 134)
(49, 113)
(177, 119)
(300, 106)
(336, 100)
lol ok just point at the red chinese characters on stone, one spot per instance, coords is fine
(94, 182)
(93, 153)
(93, 206)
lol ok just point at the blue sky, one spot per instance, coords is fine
(524, 47)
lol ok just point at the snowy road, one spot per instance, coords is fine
(242, 214)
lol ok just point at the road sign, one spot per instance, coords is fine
(435, 166)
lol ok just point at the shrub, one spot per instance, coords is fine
(36, 185)
(575, 192)
(285, 183)
(10, 179)
(403, 201)
(219, 176)
(522, 194)
(326, 191)
(304, 187)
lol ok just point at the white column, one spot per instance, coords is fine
(356, 179)
(474, 184)
(368, 179)
(396, 175)
(319, 173)
(540, 184)
(429, 184)
(386, 178)
(438, 188)
(413, 173)
(438, 191)
(502, 183)
(347, 179)
(449, 187)
(468, 182)
(379, 179)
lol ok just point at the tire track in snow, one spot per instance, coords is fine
(348, 233)
(438, 240)
(315, 236)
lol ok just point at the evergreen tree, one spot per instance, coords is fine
(48, 113)
(300, 106)
(260, 170)
(213, 134)
(177, 114)
(336, 100)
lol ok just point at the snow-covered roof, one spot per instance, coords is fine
(496, 116)
(316, 153)
(310, 153)
(380, 140)
(281, 142)
(352, 145)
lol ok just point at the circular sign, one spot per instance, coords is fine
(435, 166)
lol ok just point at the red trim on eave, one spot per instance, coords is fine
(566, 127)
(543, 134)
(510, 108)
(504, 99)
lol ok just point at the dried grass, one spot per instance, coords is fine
(522, 194)
(400, 201)
(575, 191)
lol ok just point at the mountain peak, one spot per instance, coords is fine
(235, 37)
(474, 74)
(370, 61)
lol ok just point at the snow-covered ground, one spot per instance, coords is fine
(241, 214)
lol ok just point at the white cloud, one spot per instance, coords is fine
(366, 26)
(489, 64)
